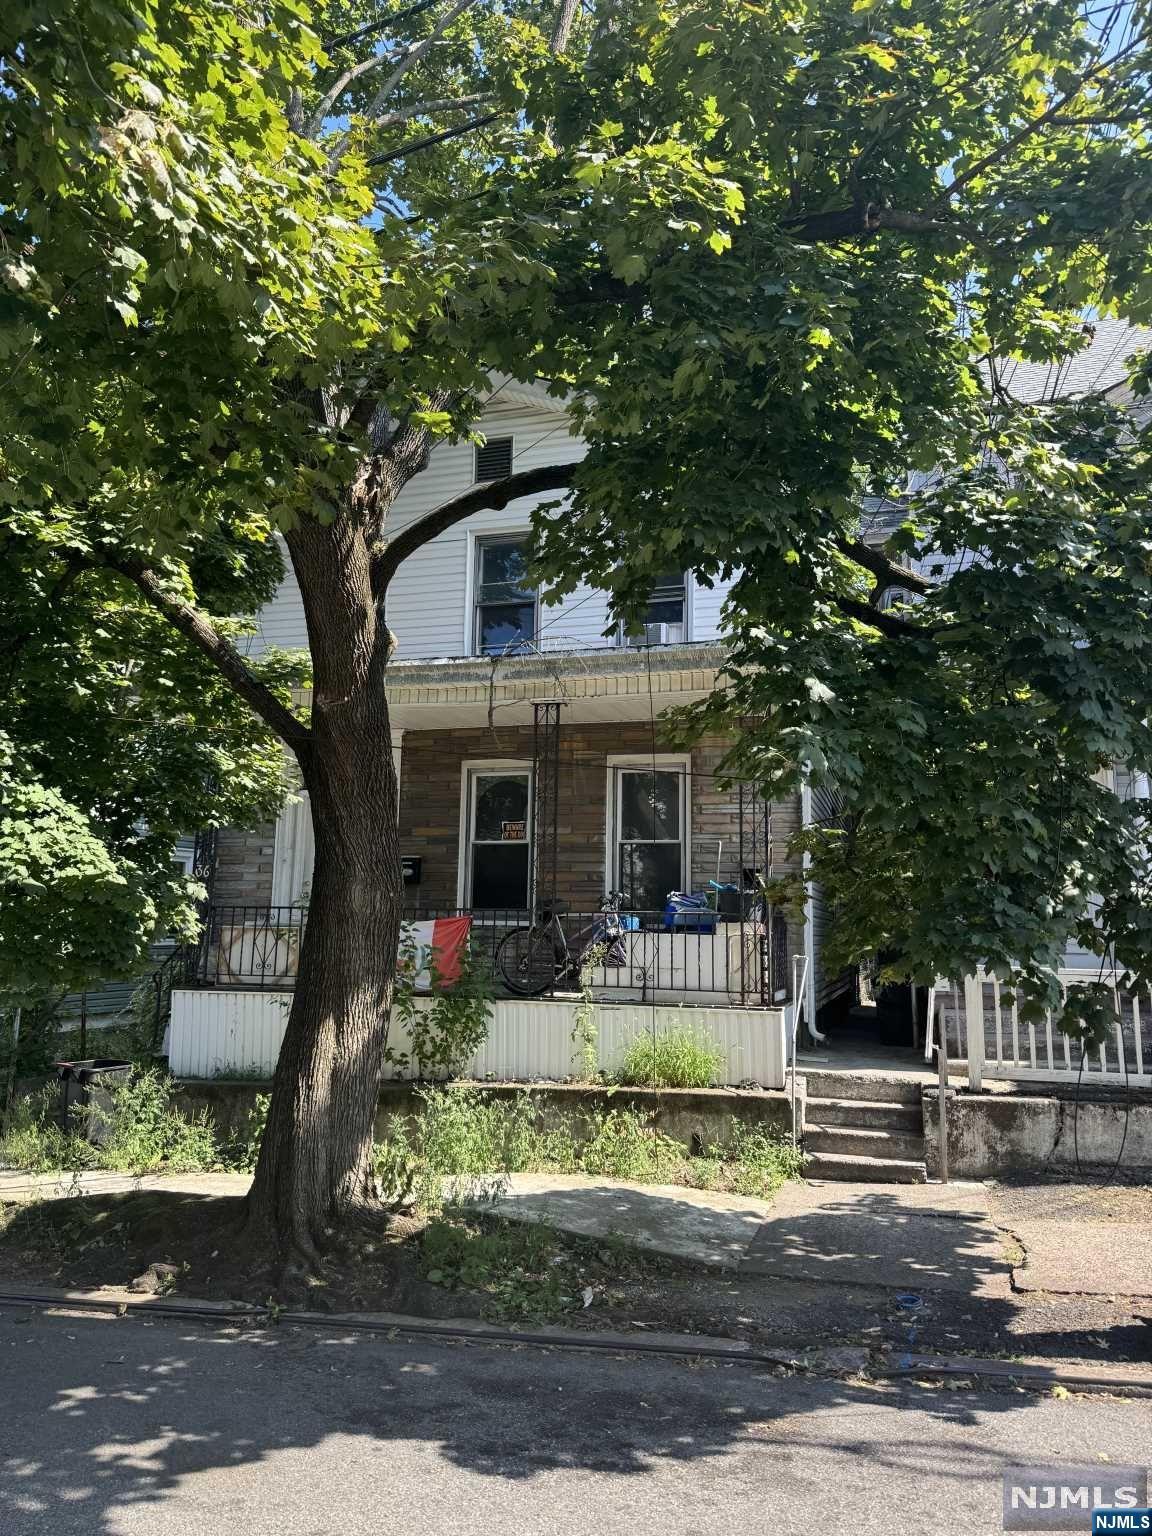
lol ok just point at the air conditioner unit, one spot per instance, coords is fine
(660, 634)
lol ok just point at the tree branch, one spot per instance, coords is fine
(562, 29)
(333, 95)
(1013, 141)
(491, 497)
(198, 628)
(413, 56)
(886, 571)
(424, 108)
(887, 623)
(378, 26)
(433, 138)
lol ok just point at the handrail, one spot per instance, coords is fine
(799, 996)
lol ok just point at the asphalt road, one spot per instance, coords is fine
(156, 1428)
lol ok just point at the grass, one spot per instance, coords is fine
(462, 1132)
(459, 1133)
(676, 1058)
(525, 1271)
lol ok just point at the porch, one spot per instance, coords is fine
(977, 1022)
(702, 959)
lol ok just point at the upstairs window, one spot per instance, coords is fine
(505, 603)
(493, 460)
(664, 621)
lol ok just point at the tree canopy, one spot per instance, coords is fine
(256, 264)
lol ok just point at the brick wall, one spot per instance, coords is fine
(433, 764)
(244, 866)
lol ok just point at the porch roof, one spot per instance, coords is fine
(595, 685)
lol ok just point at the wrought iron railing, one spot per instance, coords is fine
(704, 957)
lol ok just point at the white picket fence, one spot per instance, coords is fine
(976, 1024)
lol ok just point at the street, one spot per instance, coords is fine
(133, 1426)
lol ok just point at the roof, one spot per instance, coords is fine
(1099, 367)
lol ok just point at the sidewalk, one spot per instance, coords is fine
(962, 1240)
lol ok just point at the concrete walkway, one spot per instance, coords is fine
(17, 1187)
(705, 1228)
(929, 1237)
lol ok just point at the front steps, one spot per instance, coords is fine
(864, 1128)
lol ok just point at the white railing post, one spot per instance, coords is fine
(974, 1029)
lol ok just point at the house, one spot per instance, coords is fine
(533, 764)
(514, 720)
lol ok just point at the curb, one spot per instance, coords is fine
(832, 1362)
(1034, 1373)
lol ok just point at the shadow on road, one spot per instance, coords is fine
(103, 1414)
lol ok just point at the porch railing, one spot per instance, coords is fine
(706, 958)
(976, 1023)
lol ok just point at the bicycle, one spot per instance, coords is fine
(540, 955)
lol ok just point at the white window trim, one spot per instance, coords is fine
(476, 537)
(681, 761)
(469, 769)
(689, 590)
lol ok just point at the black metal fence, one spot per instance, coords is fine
(703, 957)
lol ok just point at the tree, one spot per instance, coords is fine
(117, 740)
(253, 279)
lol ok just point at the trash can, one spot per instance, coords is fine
(84, 1086)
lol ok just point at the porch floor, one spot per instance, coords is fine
(856, 1055)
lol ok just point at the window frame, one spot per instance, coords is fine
(471, 769)
(679, 762)
(477, 543)
(635, 642)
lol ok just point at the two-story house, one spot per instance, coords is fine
(533, 765)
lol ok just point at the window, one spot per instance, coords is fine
(665, 619)
(493, 459)
(498, 815)
(505, 603)
(649, 821)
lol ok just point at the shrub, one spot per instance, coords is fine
(136, 1127)
(37, 1142)
(676, 1058)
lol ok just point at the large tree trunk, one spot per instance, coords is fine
(314, 1169)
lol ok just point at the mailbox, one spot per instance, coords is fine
(411, 867)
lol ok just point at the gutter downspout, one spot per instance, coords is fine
(809, 916)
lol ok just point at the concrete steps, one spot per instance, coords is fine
(864, 1170)
(861, 1141)
(864, 1128)
(875, 1087)
(859, 1112)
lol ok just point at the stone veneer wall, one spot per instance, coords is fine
(432, 763)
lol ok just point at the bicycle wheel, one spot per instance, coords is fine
(530, 961)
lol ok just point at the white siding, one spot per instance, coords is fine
(429, 607)
(217, 1031)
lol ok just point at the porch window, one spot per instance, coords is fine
(649, 822)
(505, 603)
(664, 621)
(498, 817)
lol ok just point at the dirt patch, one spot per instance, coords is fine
(1053, 1197)
(479, 1266)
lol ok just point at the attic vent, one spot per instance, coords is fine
(494, 459)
